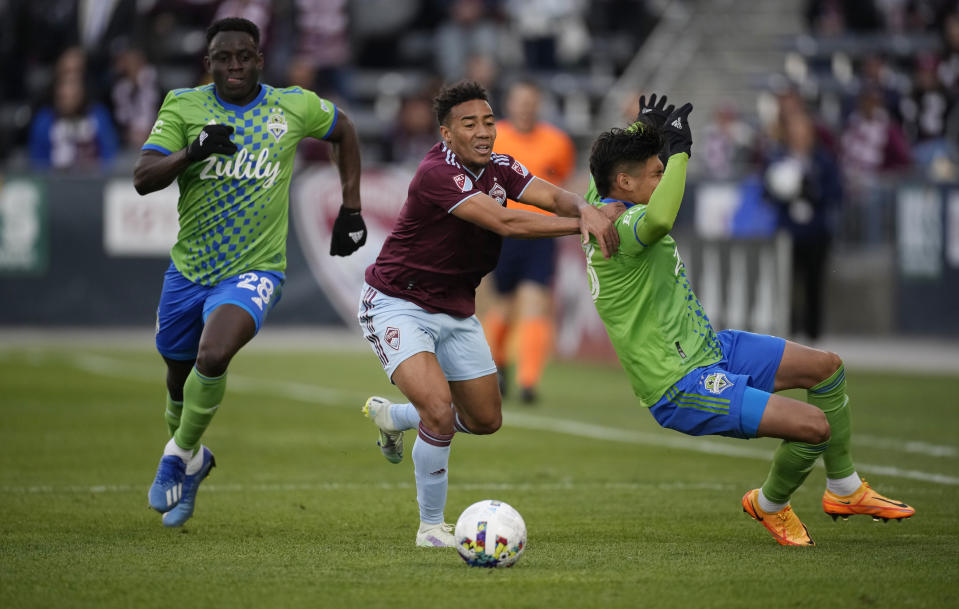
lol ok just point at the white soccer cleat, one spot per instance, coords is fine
(438, 535)
(391, 439)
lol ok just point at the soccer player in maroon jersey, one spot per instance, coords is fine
(417, 306)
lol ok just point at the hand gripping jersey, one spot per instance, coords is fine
(234, 209)
(432, 258)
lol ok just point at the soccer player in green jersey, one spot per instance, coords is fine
(699, 381)
(230, 145)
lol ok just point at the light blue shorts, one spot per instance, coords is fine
(184, 306)
(398, 329)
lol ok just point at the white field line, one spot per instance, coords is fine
(566, 485)
(922, 448)
(322, 395)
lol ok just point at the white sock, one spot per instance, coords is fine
(172, 448)
(431, 457)
(404, 416)
(844, 486)
(196, 463)
(768, 506)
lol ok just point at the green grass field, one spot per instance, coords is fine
(302, 511)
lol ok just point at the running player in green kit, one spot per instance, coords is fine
(230, 146)
(699, 381)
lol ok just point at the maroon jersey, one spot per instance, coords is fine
(433, 258)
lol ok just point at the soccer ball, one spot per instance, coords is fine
(490, 533)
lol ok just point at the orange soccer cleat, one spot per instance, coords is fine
(784, 525)
(865, 501)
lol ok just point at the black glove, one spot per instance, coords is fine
(349, 232)
(655, 112)
(676, 130)
(214, 139)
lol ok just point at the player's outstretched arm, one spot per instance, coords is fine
(155, 170)
(349, 230)
(483, 210)
(550, 197)
(668, 196)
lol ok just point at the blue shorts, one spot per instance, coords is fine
(398, 329)
(525, 260)
(727, 398)
(184, 306)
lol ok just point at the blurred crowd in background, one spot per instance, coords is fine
(94, 72)
(870, 91)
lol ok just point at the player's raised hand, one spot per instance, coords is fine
(655, 111)
(213, 139)
(594, 222)
(349, 232)
(676, 130)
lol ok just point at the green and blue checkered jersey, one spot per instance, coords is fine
(654, 320)
(234, 210)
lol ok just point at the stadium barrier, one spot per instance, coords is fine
(86, 251)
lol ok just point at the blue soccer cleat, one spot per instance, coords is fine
(184, 510)
(168, 485)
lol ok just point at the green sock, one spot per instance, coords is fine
(791, 464)
(172, 415)
(830, 397)
(201, 398)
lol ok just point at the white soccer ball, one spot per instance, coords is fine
(490, 533)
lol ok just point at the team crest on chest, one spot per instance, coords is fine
(716, 383)
(518, 168)
(498, 193)
(276, 123)
(463, 182)
(393, 337)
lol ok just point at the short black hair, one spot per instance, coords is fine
(613, 150)
(454, 95)
(233, 24)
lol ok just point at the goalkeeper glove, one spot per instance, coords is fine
(676, 130)
(655, 112)
(213, 139)
(349, 232)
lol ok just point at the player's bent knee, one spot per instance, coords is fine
(439, 419)
(488, 425)
(830, 363)
(816, 428)
(212, 360)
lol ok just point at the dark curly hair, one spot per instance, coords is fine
(616, 149)
(233, 24)
(454, 95)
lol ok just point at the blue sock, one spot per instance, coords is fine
(431, 456)
(404, 416)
